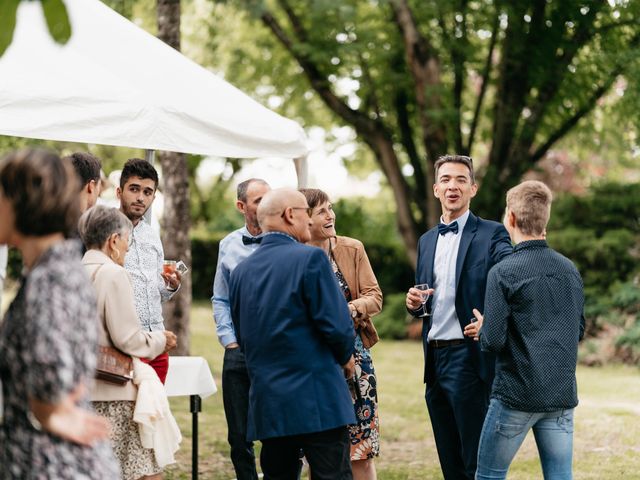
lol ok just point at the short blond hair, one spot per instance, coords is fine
(530, 202)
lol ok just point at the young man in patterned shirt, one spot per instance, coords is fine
(533, 320)
(144, 260)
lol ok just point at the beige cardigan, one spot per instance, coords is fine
(354, 264)
(119, 325)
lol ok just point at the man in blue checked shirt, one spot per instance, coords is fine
(533, 320)
(234, 248)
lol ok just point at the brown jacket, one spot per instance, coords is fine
(353, 262)
(119, 325)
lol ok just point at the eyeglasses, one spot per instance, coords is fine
(308, 209)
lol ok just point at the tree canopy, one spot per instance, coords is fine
(501, 81)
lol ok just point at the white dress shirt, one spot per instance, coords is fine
(444, 320)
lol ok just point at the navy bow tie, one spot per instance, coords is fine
(452, 227)
(249, 240)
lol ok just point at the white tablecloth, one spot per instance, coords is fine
(189, 376)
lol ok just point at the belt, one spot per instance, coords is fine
(445, 343)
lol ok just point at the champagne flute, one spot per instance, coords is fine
(423, 287)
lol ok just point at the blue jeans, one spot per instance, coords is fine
(235, 395)
(504, 431)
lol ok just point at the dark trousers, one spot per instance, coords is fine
(327, 452)
(457, 400)
(235, 395)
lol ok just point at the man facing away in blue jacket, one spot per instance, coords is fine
(294, 328)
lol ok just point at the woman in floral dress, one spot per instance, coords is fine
(360, 287)
(48, 338)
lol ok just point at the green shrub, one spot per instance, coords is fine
(390, 265)
(204, 255)
(607, 206)
(603, 260)
(389, 262)
(629, 343)
(392, 322)
(626, 296)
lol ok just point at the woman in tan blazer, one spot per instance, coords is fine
(105, 232)
(360, 287)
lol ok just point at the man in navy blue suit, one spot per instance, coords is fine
(454, 259)
(294, 328)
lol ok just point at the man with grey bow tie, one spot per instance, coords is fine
(454, 259)
(234, 248)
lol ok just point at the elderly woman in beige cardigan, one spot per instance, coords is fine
(105, 232)
(364, 297)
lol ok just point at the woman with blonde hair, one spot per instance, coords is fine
(105, 232)
(360, 287)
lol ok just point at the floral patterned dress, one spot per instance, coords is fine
(365, 434)
(48, 343)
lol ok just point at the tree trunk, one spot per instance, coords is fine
(177, 214)
(426, 73)
(382, 145)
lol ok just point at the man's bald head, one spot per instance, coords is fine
(284, 210)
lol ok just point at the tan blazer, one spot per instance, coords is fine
(119, 325)
(354, 264)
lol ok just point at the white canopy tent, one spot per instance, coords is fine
(115, 84)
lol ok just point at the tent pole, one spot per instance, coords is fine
(302, 171)
(149, 156)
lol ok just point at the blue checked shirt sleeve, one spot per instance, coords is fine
(220, 301)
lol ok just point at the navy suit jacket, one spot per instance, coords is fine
(483, 244)
(293, 325)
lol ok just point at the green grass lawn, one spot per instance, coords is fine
(607, 421)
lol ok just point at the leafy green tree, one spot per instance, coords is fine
(55, 14)
(504, 81)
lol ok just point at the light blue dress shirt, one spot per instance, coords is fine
(231, 252)
(444, 320)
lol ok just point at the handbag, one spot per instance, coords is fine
(113, 366)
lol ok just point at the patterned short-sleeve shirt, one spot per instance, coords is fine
(144, 264)
(48, 343)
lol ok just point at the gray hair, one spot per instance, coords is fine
(98, 223)
(241, 193)
(462, 159)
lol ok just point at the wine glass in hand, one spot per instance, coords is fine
(425, 294)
